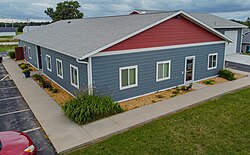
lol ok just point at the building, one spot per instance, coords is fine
(126, 56)
(30, 28)
(246, 41)
(7, 31)
(228, 28)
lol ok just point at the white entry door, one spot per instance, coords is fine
(189, 69)
(232, 47)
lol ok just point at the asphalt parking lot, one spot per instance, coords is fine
(16, 115)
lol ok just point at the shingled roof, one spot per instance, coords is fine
(207, 18)
(81, 38)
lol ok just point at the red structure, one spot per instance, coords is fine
(175, 31)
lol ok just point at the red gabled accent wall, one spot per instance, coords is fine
(175, 31)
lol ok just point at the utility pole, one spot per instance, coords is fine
(28, 24)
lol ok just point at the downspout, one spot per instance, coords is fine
(89, 70)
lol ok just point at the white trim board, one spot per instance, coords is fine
(156, 48)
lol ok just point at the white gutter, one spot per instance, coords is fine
(89, 69)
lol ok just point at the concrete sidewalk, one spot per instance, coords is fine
(66, 135)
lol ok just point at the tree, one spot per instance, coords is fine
(65, 10)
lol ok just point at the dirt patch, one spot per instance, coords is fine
(61, 96)
(150, 99)
(217, 80)
(239, 76)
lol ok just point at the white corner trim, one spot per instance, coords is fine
(212, 54)
(156, 48)
(49, 69)
(73, 84)
(59, 61)
(136, 77)
(169, 71)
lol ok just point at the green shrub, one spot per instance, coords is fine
(42, 82)
(12, 55)
(45, 84)
(54, 90)
(38, 77)
(209, 82)
(88, 108)
(190, 86)
(159, 96)
(24, 66)
(183, 88)
(27, 70)
(227, 74)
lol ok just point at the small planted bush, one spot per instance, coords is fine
(42, 82)
(46, 84)
(227, 74)
(209, 82)
(38, 77)
(88, 108)
(54, 90)
(23, 66)
(27, 70)
(12, 55)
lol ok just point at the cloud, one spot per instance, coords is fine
(34, 9)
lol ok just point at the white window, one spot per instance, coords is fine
(24, 48)
(163, 70)
(48, 62)
(128, 77)
(212, 61)
(29, 53)
(59, 68)
(74, 77)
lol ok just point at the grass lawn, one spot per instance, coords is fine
(220, 126)
(7, 48)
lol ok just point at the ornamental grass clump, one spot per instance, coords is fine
(227, 74)
(88, 108)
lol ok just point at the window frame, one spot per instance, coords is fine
(59, 61)
(216, 62)
(72, 66)
(49, 69)
(24, 47)
(169, 71)
(136, 77)
(29, 53)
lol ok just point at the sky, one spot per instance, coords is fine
(34, 9)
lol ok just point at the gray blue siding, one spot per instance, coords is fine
(66, 60)
(33, 49)
(106, 69)
(239, 39)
